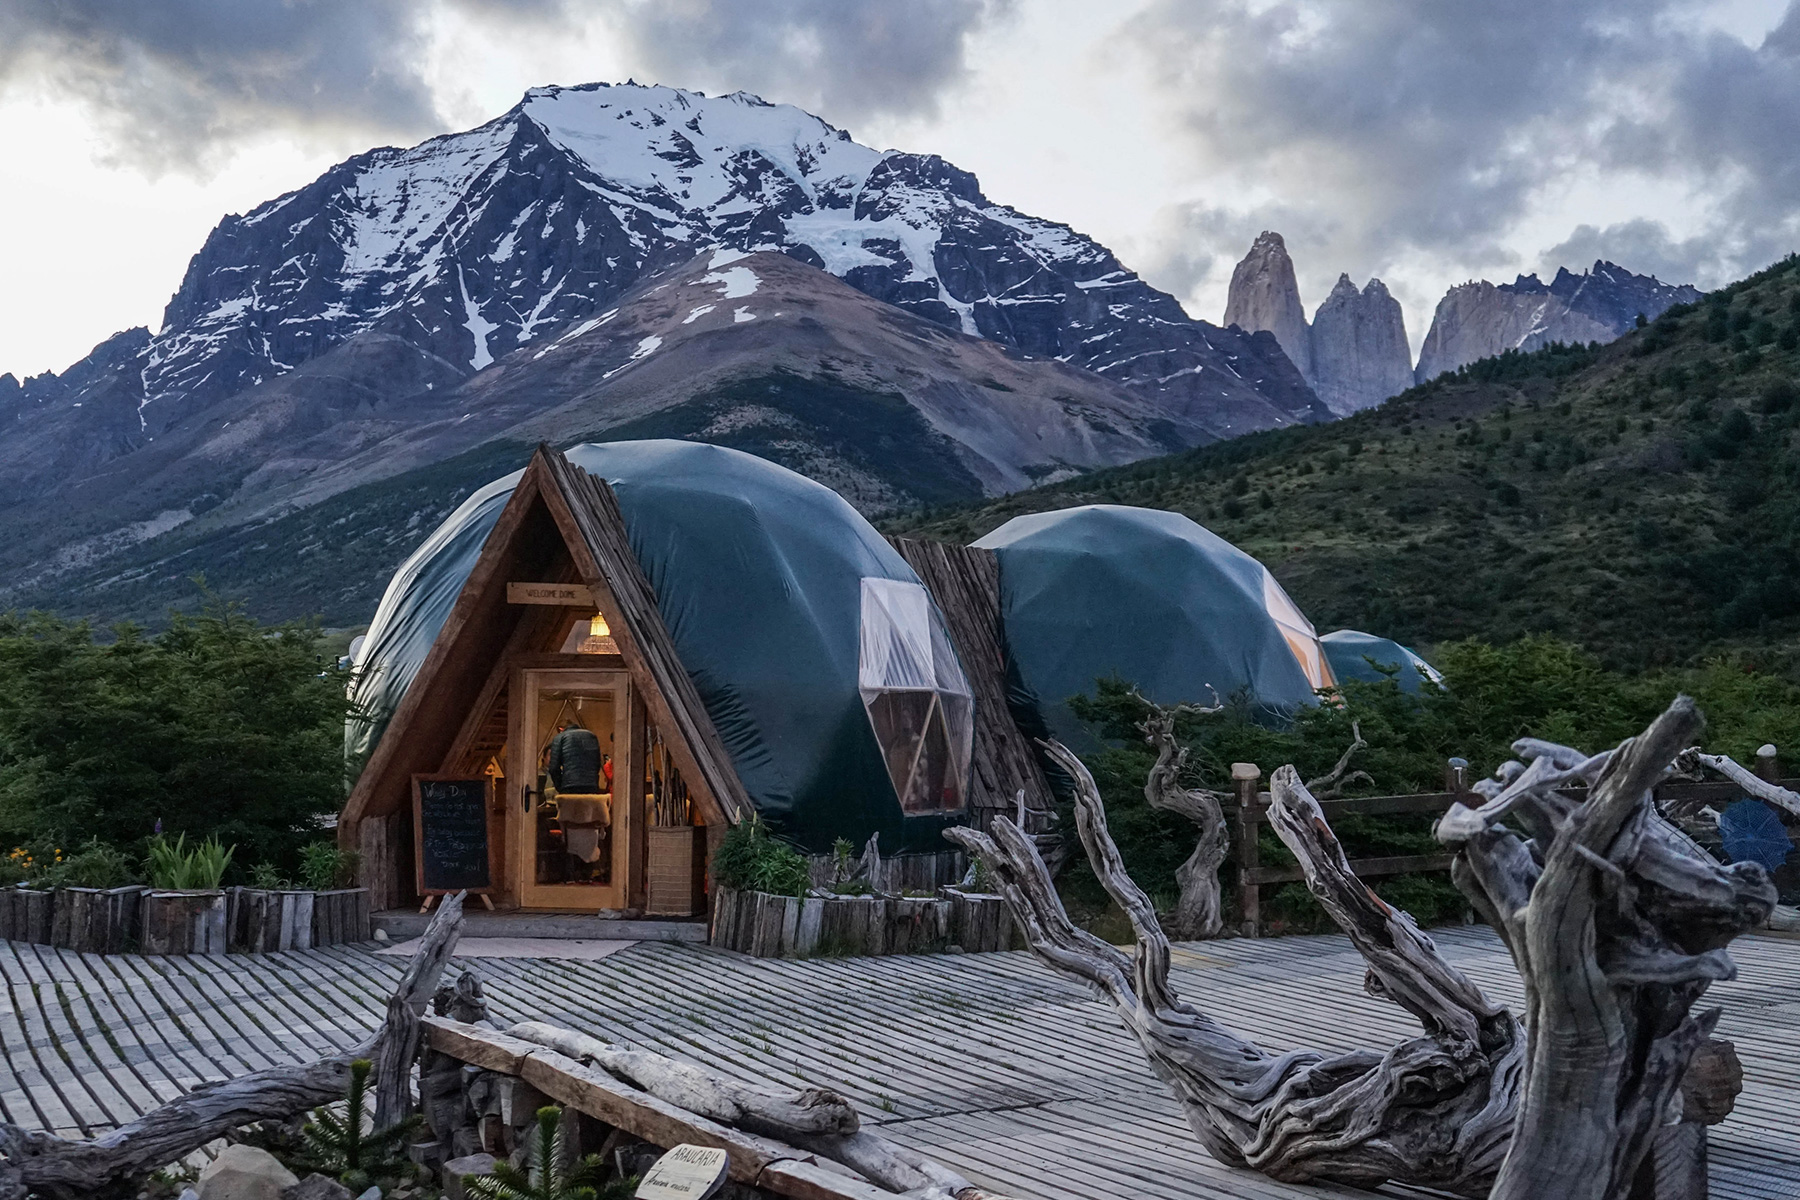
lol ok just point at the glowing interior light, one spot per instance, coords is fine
(598, 627)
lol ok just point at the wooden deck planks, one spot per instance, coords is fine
(1017, 1077)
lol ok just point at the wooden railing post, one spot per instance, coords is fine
(1768, 765)
(1244, 776)
(1456, 775)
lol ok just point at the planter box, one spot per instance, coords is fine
(183, 923)
(980, 921)
(97, 920)
(90, 920)
(766, 926)
(26, 914)
(136, 918)
(341, 915)
(675, 871)
(263, 921)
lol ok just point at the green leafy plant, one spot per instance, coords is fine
(548, 1175)
(268, 877)
(348, 1146)
(95, 865)
(172, 866)
(752, 859)
(323, 866)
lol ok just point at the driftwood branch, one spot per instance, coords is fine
(816, 1120)
(1197, 910)
(1617, 923)
(1331, 785)
(1432, 1111)
(45, 1165)
(1754, 784)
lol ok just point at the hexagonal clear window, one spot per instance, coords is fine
(918, 699)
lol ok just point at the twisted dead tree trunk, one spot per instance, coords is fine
(1618, 923)
(1433, 1111)
(43, 1164)
(1198, 909)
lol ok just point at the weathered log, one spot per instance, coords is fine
(1750, 781)
(1617, 923)
(43, 1164)
(398, 1046)
(1432, 1111)
(816, 1120)
(1197, 908)
(812, 1111)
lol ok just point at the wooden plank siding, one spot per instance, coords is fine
(965, 582)
(1014, 1076)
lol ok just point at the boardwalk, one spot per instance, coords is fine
(989, 1062)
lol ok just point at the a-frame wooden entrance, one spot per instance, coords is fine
(510, 665)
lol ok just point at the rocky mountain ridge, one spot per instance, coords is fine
(302, 496)
(1354, 353)
(1478, 319)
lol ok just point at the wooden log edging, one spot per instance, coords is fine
(139, 919)
(767, 926)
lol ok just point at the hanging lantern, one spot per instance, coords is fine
(599, 638)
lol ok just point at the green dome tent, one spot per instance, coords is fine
(1350, 651)
(1151, 597)
(812, 644)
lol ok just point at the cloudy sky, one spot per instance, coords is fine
(1423, 141)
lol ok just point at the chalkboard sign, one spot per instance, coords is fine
(450, 834)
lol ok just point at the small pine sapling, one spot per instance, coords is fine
(347, 1147)
(546, 1177)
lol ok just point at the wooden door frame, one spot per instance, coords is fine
(522, 736)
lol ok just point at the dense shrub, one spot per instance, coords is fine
(218, 728)
(752, 859)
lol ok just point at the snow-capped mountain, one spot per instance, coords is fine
(473, 244)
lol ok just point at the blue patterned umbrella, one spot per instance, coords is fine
(1753, 833)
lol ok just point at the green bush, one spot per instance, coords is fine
(752, 859)
(216, 728)
(323, 866)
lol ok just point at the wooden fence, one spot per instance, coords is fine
(1252, 810)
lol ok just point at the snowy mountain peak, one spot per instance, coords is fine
(471, 245)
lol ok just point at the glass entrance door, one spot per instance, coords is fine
(571, 742)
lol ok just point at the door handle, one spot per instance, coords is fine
(525, 796)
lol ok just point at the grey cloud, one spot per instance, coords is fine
(1644, 246)
(844, 58)
(174, 79)
(1395, 130)
(174, 82)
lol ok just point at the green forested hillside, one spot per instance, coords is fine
(1641, 498)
